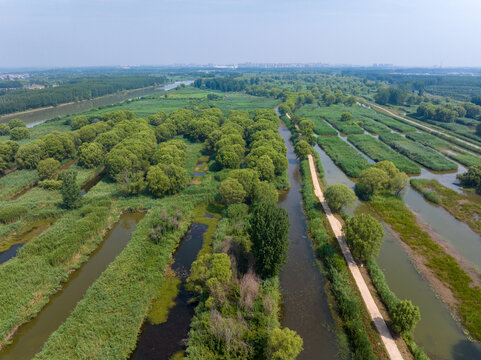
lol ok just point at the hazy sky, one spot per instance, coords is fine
(157, 32)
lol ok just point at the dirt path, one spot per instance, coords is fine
(423, 126)
(373, 310)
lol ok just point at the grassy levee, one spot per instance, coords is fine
(106, 322)
(445, 147)
(27, 281)
(390, 300)
(458, 205)
(418, 152)
(314, 113)
(374, 127)
(394, 212)
(16, 181)
(343, 155)
(378, 151)
(348, 304)
(391, 122)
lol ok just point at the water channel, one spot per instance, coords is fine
(437, 332)
(162, 341)
(305, 307)
(38, 116)
(31, 336)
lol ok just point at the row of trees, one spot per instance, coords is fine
(73, 90)
(448, 112)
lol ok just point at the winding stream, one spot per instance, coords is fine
(164, 340)
(305, 306)
(31, 336)
(437, 332)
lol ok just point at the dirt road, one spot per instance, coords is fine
(373, 310)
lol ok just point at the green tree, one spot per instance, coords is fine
(388, 167)
(345, 116)
(268, 231)
(351, 100)
(228, 158)
(371, 181)
(405, 316)
(4, 129)
(364, 236)
(15, 123)
(70, 190)
(339, 195)
(90, 154)
(265, 168)
(19, 133)
(398, 183)
(284, 344)
(471, 178)
(157, 118)
(132, 184)
(159, 183)
(232, 191)
(266, 192)
(248, 178)
(28, 155)
(303, 149)
(79, 121)
(47, 168)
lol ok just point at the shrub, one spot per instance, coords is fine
(50, 184)
(4, 129)
(47, 169)
(364, 235)
(232, 191)
(70, 189)
(15, 123)
(11, 213)
(339, 195)
(19, 133)
(268, 230)
(405, 316)
(284, 344)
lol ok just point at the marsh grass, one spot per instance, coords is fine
(343, 155)
(445, 267)
(458, 205)
(378, 151)
(418, 152)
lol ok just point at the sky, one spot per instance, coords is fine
(66, 33)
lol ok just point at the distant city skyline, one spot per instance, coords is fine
(69, 33)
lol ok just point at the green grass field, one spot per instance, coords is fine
(418, 152)
(378, 151)
(445, 147)
(343, 155)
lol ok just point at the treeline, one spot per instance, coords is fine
(74, 90)
(449, 112)
(237, 285)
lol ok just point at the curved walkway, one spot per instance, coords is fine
(371, 306)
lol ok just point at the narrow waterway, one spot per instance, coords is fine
(437, 332)
(305, 306)
(163, 340)
(39, 116)
(31, 336)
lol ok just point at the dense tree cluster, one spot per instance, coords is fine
(383, 176)
(59, 146)
(8, 150)
(73, 90)
(448, 112)
(471, 178)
